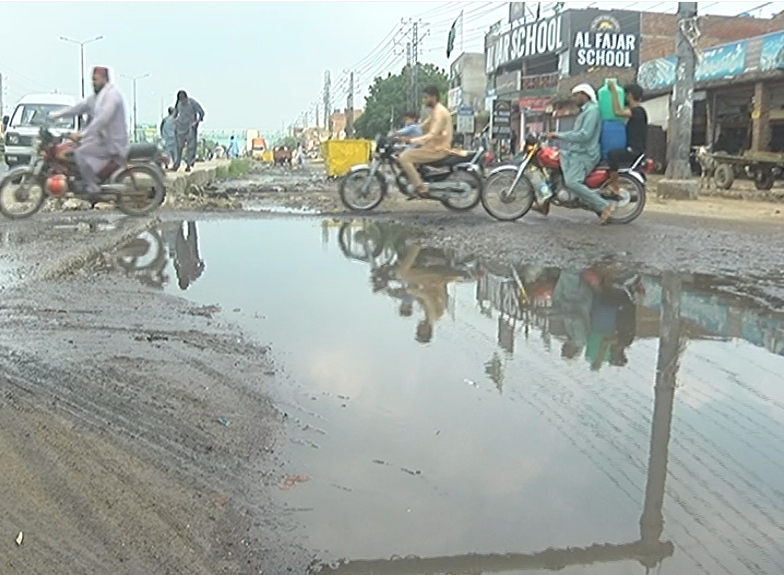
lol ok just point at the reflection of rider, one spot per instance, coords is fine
(428, 286)
(105, 139)
(613, 319)
(187, 261)
(572, 300)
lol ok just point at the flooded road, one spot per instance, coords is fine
(453, 415)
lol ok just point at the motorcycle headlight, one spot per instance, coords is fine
(13, 139)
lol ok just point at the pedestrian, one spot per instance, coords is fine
(234, 149)
(168, 136)
(188, 114)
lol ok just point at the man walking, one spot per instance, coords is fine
(188, 114)
(168, 135)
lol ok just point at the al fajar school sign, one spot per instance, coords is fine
(538, 38)
(603, 39)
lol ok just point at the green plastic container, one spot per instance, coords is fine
(604, 96)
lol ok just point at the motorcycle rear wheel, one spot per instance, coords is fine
(632, 186)
(142, 198)
(26, 183)
(468, 201)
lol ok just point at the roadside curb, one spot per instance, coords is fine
(77, 259)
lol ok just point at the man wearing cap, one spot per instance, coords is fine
(105, 139)
(580, 152)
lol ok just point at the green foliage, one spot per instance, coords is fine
(239, 167)
(388, 98)
(289, 141)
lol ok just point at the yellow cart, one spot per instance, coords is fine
(341, 155)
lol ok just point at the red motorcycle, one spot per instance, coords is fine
(137, 186)
(519, 186)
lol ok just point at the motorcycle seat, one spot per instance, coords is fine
(450, 160)
(143, 150)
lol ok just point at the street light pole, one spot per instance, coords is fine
(81, 44)
(135, 79)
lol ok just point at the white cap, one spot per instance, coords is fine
(585, 89)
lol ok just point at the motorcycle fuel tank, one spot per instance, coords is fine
(549, 157)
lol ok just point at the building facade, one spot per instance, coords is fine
(532, 66)
(466, 94)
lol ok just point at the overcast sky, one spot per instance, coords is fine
(250, 64)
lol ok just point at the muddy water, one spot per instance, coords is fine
(501, 418)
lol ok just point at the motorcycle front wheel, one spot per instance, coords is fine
(505, 200)
(144, 190)
(465, 201)
(357, 199)
(21, 194)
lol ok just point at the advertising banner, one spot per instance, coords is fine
(502, 118)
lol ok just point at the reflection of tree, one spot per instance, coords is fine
(494, 369)
(187, 260)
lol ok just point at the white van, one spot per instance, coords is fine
(29, 115)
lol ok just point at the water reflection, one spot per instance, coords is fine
(148, 256)
(560, 449)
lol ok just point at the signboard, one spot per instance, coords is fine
(502, 118)
(516, 11)
(772, 52)
(725, 61)
(533, 39)
(507, 83)
(540, 82)
(465, 121)
(454, 98)
(534, 105)
(603, 39)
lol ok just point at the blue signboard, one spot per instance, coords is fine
(725, 61)
(772, 52)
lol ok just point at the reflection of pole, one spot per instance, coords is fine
(667, 363)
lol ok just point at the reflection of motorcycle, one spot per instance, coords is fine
(455, 181)
(516, 186)
(137, 187)
(144, 258)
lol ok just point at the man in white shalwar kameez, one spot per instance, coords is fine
(105, 139)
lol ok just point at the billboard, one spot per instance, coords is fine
(603, 39)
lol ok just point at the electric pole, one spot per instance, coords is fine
(415, 61)
(2, 100)
(681, 104)
(350, 107)
(81, 44)
(327, 107)
(134, 80)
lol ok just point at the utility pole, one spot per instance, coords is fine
(327, 100)
(2, 100)
(409, 76)
(415, 61)
(81, 44)
(350, 107)
(678, 175)
(134, 80)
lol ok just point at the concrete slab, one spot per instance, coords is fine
(203, 173)
(678, 189)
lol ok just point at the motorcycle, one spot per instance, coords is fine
(137, 187)
(516, 185)
(455, 181)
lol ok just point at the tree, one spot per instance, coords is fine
(388, 99)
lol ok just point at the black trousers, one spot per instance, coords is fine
(620, 156)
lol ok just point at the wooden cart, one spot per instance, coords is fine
(764, 168)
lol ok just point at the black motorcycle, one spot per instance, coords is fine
(456, 181)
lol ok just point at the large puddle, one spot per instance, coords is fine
(454, 415)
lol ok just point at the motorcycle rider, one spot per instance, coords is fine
(434, 145)
(580, 152)
(410, 129)
(104, 140)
